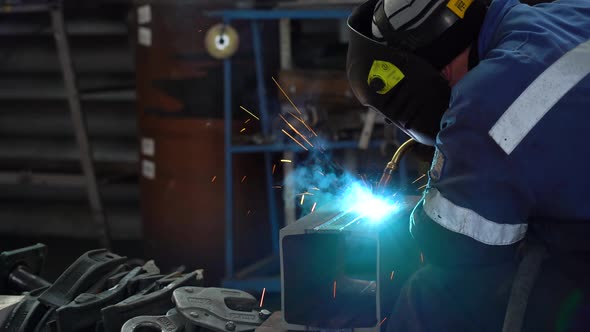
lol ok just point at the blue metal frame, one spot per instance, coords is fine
(296, 148)
(257, 15)
(277, 14)
(229, 201)
(266, 130)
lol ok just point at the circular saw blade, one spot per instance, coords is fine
(222, 41)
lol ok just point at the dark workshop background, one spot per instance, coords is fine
(170, 93)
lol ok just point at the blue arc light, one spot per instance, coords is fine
(359, 199)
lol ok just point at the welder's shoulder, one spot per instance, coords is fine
(517, 43)
(487, 90)
(542, 32)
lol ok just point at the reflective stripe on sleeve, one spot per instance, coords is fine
(464, 221)
(539, 97)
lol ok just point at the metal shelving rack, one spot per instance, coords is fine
(247, 279)
(72, 95)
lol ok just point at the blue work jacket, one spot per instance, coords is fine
(513, 152)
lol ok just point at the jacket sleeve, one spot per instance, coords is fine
(475, 208)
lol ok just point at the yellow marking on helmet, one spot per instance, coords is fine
(459, 7)
(387, 72)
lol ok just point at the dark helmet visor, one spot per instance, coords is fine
(402, 86)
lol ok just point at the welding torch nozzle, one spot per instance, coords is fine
(393, 164)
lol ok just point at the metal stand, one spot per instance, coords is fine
(257, 276)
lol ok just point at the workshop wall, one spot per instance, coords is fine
(180, 105)
(36, 131)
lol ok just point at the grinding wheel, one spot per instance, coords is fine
(222, 41)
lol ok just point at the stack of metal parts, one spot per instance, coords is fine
(102, 291)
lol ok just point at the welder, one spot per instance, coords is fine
(501, 90)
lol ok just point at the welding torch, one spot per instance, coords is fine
(393, 164)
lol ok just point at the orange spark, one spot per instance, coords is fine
(247, 121)
(255, 117)
(313, 207)
(334, 289)
(277, 187)
(295, 130)
(286, 161)
(391, 277)
(274, 166)
(243, 130)
(424, 186)
(293, 138)
(420, 178)
(287, 96)
(305, 124)
(243, 179)
(383, 321)
(302, 199)
(262, 297)
(213, 180)
(315, 188)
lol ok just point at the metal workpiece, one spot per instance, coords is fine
(144, 283)
(26, 314)
(7, 305)
(85, 311)
(151, 267)
(19, 269)
(101, 284)
(154, 303)
(20, 279)
(47, 322)
(219, 309)
(171, 322)
(80, 276)
(149, 270)
(115, 279)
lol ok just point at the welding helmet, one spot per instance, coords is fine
(399, 75)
